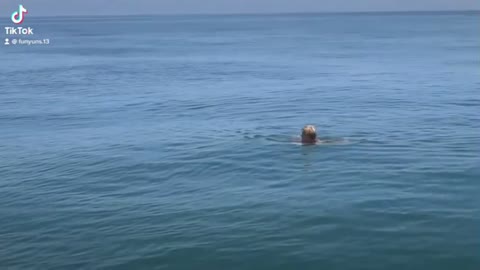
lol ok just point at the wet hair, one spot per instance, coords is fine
(309, 132)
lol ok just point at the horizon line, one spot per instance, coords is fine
(261, 13)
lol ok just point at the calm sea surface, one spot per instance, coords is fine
(166, 143)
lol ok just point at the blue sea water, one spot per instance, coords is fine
(165, 142)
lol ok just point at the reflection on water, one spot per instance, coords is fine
(307, 156)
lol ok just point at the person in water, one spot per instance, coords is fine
(309, 134)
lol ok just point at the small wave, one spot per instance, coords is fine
(296, 140)
(334, 141)
(324, 142)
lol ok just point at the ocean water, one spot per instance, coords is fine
(167, 142)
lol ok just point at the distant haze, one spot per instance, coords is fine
(125, 7)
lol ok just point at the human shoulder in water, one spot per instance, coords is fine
(309, 136)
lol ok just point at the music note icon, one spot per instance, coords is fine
(18, 16)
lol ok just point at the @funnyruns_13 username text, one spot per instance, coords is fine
(28, 42)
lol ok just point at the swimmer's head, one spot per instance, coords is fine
(309, 134)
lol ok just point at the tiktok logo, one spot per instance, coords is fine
(18, 16)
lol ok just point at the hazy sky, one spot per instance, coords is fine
(98, 7)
